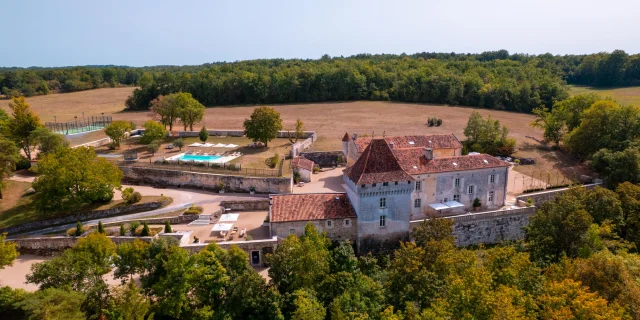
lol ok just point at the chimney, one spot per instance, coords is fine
(391, 144)
(355, 136)
(428, 153)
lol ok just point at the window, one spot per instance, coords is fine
(409, 182)
(456, 182)
(384, 184)
(471, 189)
(292, 231)
(383, 203)
(396, 183)
(373, 185)
(418, 185)
(445, 200)
(329, 223)
(416, 203)
(490, 196)
(347, 222)
(456, 197)
(492, 178)
(383, 221)
(364, 185)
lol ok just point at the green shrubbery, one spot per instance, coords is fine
(273, 161)
(193, 210)
(434, 122)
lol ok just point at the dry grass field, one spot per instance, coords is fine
(627, 95)
(330, 120)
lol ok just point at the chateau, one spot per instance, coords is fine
(390, 181)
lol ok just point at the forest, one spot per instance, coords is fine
(496, 79)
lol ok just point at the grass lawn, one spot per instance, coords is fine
(17, 207)
(626, 95)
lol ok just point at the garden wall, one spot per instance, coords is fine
(239, 133)
(489, 227)
(181, 219)
(541, 197)
(97, 143)
(298, 147)
(246, 205)
(83, 216)
(206, 181)
(47, 246)
(324, 159)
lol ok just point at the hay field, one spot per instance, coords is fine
(627, 95)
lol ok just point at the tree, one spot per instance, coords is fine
(123, 231)
(558, 228)
(145, 230)
(191, 111)
(153, 147)
(434, 229)
(131, 258)
(603, 204)
(9, 156)
(8, 251)
(203, 134)
(570, 110)
(568, 299)
(307, 307)
(129, 303)
(48, 141)
(552, 126)
(167, 227)
(70, 178)
(487, 136)
(72, 269)
(101, 250)
(178, 143)
(164, 110)
(22, 123)
(101, 227)
(79, 230)
(299, 132)
(263, 125)
(53, 303)
(152, 131)
(629, 195)
(116, 130)
(617, 167)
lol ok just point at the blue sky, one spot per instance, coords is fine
(140, 33)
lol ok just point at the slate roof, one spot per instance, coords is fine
(310, 206)
(434, 141)
(413, 161)
(377, 164)
(302, 163)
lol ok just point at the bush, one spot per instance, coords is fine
(79, 230)
(203, 134)
(296, 177)
(123, 231)
(220, 185)
(476, 203)
(153, 147)
(145, 230)
(433, 121)
(438, 122)
(133, 226)
(178, 143)
(196, 240)
(135, 197)
(273, 161)
(193, 210)
(529, 202)
(101, 227)
(167, 227)
(23, 163)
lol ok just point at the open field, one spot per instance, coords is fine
(627, 95)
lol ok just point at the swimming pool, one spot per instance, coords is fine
(198, 157)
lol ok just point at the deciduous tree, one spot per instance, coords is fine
(152, 131)
(9, 156)
(116, 130)
(8, 251)
(263, 125)
(22, 123)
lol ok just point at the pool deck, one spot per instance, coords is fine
(220, 159)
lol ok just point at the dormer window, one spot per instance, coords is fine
(411, 143)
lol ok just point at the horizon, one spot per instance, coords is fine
(160, 33)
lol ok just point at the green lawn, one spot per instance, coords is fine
(17, 208)
(626, 95)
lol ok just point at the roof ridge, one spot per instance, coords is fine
(366, 161)
(396, 158)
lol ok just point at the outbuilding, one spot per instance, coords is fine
(304, 167)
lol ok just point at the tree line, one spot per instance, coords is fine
(494, 79)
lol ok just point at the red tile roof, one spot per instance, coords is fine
(346, 137)
(377, 164)
(302, 163)
(413, 161)
(310, 206)
(435, 141)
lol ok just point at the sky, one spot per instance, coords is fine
(52, 33)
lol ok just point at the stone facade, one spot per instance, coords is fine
(207, 181)
(246, 205)
(337, 229)
(98, 214)
(325, 159)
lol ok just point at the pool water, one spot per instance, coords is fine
(198, 157)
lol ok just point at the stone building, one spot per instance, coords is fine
(394, 180)
(329, 212)
(304, 167)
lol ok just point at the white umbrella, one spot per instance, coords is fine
(232, 146)
(227, 217)
(219, 145)
(208, 145)
(195, 144)
(222, 227)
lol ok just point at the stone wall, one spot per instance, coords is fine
(246, 205)
(97, 143)
(338, 231)
(489, 227)
(309, 138)
(541, 197)
(47, 246)
(239, 133)
(98, 214)
(262, 247)
(324, 159)
(207, 181)
(181, 219)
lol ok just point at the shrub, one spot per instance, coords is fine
(476, 203)
(79, 230)
(167, 227)
(252, 189)
(196, 240)
(101, 227)
(133, 226)
(194, 210)
(123, 231)
(220, 185)
(296, 177)
(135, 197)
(529, 202)
(273, 161)
(23, 163)
(316, 169)
(178, 143)
(145, 230)
(438, 122)
(203, 134)
(248, 237)
(153, 147)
